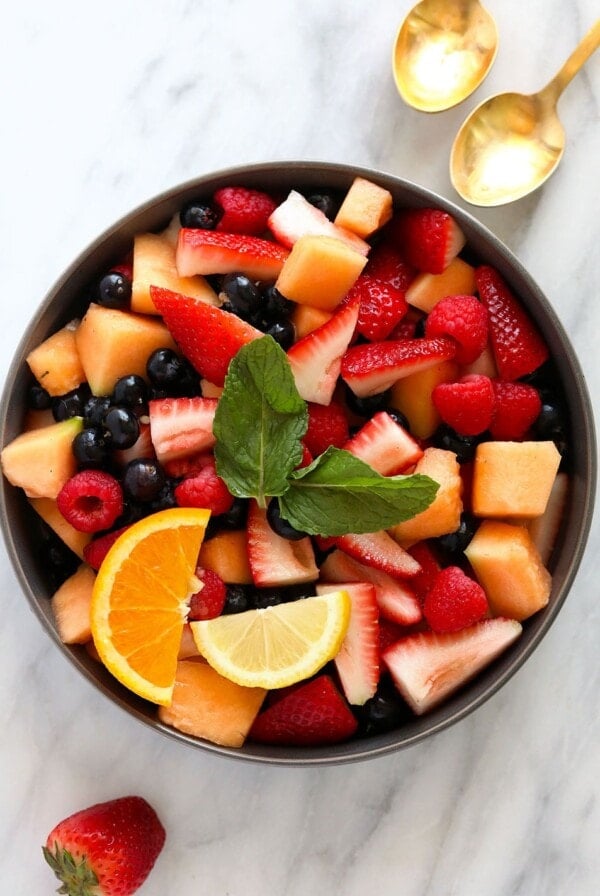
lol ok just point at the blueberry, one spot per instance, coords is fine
(199, 215)
(454, 544)
(114, 290)
(171, 374)
(367, 407)
(94, 410)
(242, 295)
(326, 202)
(38, 399)
(383, 712)
(236, 599)
(165, 499)
(463, 446)
(274, 305)
(261, 598)
(71, 404)
(57, 560)
(90, 448)
(398, 418)
(121, 427)
(131, 392)
(283, 333)
(279, 525)
(552, 424)
(235, 517)
(143, 479)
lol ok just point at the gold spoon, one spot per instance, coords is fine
(510, 144)
(443, 51)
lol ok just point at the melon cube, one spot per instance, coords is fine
(55, 363)
(443, 514)
(509, 569)
(513, 479)
(71, 606)
(47, 508)
(412, 396)
(319, 271)
(227, 555)
(426, 290)
(544, 529)
(154, 265)
(366, 208)
(484, 365)
(306, 319)
(41, 461)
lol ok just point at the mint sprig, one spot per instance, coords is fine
(259, 423)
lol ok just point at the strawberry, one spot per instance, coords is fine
(407, 328)
(382, 307)
(374, 367)
(275, 560)
(427, 667)
(210, 600)
(297, 217)
(327, 425)
(427, 560)
(388, 264)
(357, 662)
(243, 210)
(518, 346)
(384, 445)
(210, 252)
(454, 601)
(389, 633)
(180, 427)
(465, 320)
(309, 714)
(379, 550)
(467, 406)
(209, 337)
(316, 359)
(106, 850)
(517, 406)
(95, 551)
(180, 467)
(429, 238)
(204, 489)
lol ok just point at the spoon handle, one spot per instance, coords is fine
(576, 60)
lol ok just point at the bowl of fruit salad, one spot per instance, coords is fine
(298, 463)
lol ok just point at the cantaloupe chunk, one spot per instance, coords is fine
(40, 461)
(154, 265)
(113, 343)
(484, 365)
(366, 208)
(509, 569)
(443, 515)
(306, 319)
(513, 479)
(544, 529)
(49, 512)
(71, 606)
(412, 396)
(319, 271)
(227, 555)
(426, 290)
(37, 419)
(209, 390)
(55, 363)
(209, 706)
(187, 648)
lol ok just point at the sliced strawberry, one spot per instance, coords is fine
(275, 560)
(209, 337)
(379, 550)
(327, 425)
(426, 558)
(454, 601)
(374, 367)
(516, 407)
(407, 327)
(518, 346)
(387, 263)
(210, 252)
(297, 217)
(468, 405)
(427, 667)
(384, 445)
(395, 600)
(382, 307)
(243, 210)
(316, 359)
(309, 714)
(389, 633)
(429, 238)
(180, 427)
(357, 662)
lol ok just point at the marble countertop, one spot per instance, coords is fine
(107, 105)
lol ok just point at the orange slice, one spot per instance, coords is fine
(139, 601)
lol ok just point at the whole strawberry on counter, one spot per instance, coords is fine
(108, 849)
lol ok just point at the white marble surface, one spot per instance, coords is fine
(105, 105)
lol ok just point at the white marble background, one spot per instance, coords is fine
(104, 105)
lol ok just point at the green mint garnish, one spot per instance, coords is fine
(259, 423)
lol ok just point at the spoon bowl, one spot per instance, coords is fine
(443, 51)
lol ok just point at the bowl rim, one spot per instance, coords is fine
(330, 174)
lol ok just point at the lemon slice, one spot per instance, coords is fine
(276, 646)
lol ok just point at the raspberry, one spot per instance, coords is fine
(204, 489)
(454, 601)
(422, 582)
(180, 467)
(387, 263)
(327, 425)
(517, 407)
(91, 500)
(244, 211)
(467, 406)
(210, 600)
(465, 320)
(381, 307)
(95, 552)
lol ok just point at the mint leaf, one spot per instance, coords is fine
(259, 422)
(339, 493)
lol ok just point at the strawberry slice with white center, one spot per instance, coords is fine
(180, 427)
(211, 252)
(429, 238)
(317, 358)
(374, 367)
(379, 550)
(427, 667)
(387, 447)
(209, 337)
(297, 217)
(357, 662)
(275, 560)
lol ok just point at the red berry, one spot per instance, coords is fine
(430, 567)
(465, 320)
(389, 632)
(454, 601)
(210, 600)
(382, 306)
(467, 406)
(204, 489)
(95, 552)
(244, 211)
(429, 238)
(91, 500)
(387, 263)
(179, 467)
(517, 407)
(327, 425)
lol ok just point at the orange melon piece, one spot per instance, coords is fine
(113, 343)
(513, 479)
(47, 508)
(226, 554)
(426, 290)
(412, 396)
(71, 606)
(366, 208)
(37, 419)
(187, 648)
(319, 271)
(509, 569)
(209, 706)
(55, 362)
(154, 265)
(544, 529)
(443, 515)
(40, 461)
(306, 319)
(484, 365)
(209, 390)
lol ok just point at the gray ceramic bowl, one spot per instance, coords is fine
(63, 302)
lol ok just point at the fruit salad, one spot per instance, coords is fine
(298, 468)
